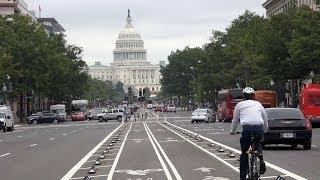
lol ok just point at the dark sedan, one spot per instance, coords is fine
(288, 126)
(44, 117)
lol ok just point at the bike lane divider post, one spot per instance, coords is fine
(76, 167)
(272, 166)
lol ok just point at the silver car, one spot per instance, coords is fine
(203, 115)
(112, 114)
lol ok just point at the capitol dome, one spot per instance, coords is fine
(129, 45)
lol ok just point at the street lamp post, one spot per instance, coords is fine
(6, 88)
(312, 75)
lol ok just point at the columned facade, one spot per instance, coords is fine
(130, 62)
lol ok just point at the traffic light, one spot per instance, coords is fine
(144, 92)
(140, 93)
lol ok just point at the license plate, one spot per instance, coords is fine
(287, 135)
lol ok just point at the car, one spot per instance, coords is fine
(288, 126)
(44, 117)
(203, 115)
(78, 116)
(161, 108)
(171, 108)
(112, 114)
(149, 106)
(93, 114)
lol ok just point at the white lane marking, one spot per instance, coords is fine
(32, 145)
(115, 163)
(19, 136)
(65, 134)
(164, 166)
(35, 133)
(51, 139)
(73, 131)
(277, 168)
(3, 155)
(138, 172)
(232, 159)
(206, 151)
(272, 177)
(1, 140)
(96, 167)
(46, 130)
(214, 178)
(205, 169)
(18, 131)
(174, 170)
(75, 168)
(313, 146)
(102, 175)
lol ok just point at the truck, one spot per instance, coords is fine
(60, 109)
(267, 98)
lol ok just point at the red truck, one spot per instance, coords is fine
(310, 102)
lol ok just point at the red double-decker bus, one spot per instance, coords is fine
(227, 100)
(310, 102)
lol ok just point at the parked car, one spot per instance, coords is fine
(6, 121)
(160, 108)
(93, 114)
(149, 106)
(44, 117)
(112, 114)
(203, 115)
(171, 108)
(78, 116)
(288, 126)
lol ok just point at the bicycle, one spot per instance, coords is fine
(254, 161)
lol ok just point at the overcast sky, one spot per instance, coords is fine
(165, 25)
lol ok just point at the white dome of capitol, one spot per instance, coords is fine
(129, 32)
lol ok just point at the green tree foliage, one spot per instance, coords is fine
(253, 51)
(44, 65)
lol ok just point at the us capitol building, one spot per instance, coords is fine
(130, 65)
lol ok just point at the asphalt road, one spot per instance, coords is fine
(163, 146)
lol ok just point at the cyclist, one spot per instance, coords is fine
(253, 119)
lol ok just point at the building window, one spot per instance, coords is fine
(157, 88)
(152, 88)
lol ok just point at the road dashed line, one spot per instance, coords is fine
(32, 145)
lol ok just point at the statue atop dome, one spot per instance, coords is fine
(129, 14)
(129, 20)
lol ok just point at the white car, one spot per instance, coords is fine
(149, 106)
(171, 109)
(6, 119)
(203, 115)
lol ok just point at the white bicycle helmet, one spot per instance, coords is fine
(248, 90)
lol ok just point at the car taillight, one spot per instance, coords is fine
(309, 116)
(308, 125)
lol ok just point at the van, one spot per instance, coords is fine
(6, 119)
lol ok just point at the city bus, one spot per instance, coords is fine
(80, 106)
(310, 102)
(267, 98)
(226, 101)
